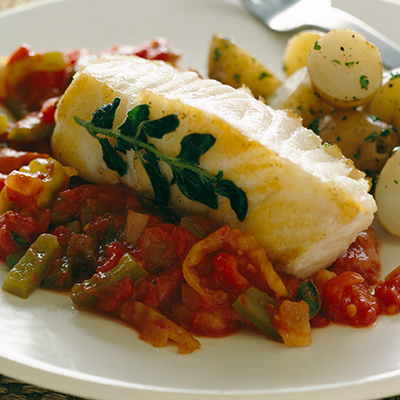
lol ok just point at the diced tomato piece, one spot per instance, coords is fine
(346, 300)
(388, 292)
(116, 294)
(48, 110)
(16, 231)
(63, 235)
(162, 246)
(158, 290)
(157, 49)
(23, 51)
(362, 257)
(226, 267)
(115, 251)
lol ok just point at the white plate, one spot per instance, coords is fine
(45, 341)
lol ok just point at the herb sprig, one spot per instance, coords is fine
(194, 182)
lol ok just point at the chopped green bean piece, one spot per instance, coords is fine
(28, 272)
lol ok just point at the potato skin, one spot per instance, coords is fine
(297, 48)
(233, 65)
(364, 139)
(345, 69)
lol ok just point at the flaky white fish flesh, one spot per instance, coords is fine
(307, 202)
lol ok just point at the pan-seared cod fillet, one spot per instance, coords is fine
(306, 201)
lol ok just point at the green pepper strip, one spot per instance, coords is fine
(88, 292)
(28, 272)
(257, 307)
(308, 292)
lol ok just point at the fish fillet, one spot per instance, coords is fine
(307, 202)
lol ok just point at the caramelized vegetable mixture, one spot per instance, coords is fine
(171, 279)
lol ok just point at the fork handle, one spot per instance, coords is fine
(337, 18)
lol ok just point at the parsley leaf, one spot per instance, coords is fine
(131, 125)
(159, 183)
(372, 137)
(314, 126)
(104, 116)
(316, 46)
(236, 196)
(196, 187)
(113, 160)
(193, 146)
(263, 75)
(159, 127)
(364, 82)
(194, 182)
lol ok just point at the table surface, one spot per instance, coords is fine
(15, 390)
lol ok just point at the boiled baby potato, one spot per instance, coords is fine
(366, 140)
(387, 194)
(234, 66)
(297, 94)
(386, 103)
(345, 69)
(297, 48)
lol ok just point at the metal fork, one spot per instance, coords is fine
(293, 15)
